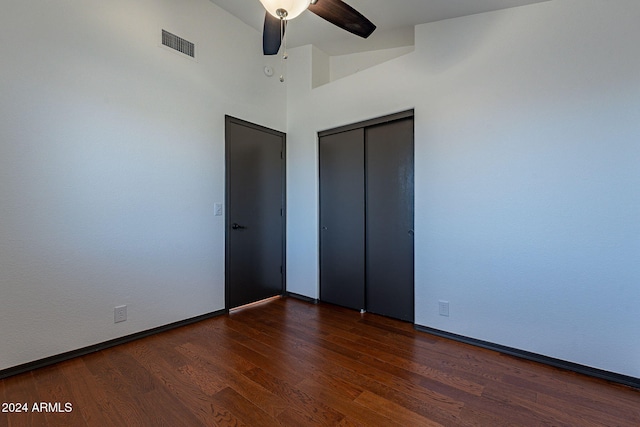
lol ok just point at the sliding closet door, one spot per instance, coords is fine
(389, 219)
(342, 224)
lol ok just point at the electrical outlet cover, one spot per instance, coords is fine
(120, 314)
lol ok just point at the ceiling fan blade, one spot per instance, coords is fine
(344, 16)
(271, 37)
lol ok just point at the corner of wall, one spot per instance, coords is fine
(320, 67)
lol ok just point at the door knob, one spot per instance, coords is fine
(411, 232)
(237, 226)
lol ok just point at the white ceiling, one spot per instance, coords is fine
(395, 21)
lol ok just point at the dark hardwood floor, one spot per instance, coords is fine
(287, 362)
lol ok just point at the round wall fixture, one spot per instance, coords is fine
(268, 71)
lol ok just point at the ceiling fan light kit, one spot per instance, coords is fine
(285, 9)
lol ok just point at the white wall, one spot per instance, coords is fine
(111, 161)
(345, 65)
(527, 178)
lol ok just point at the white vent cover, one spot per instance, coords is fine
(178, 43)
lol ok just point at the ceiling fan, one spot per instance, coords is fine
(335, 11)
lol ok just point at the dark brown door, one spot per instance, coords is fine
(255, 212)
(342, 225)
(366, 216)
(389, 241)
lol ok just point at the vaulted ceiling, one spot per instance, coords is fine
(395, 21)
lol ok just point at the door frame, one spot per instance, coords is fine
(283, 200)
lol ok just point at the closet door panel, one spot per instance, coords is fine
(389, 219)
(342, 219)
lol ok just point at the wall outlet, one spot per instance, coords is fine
(120, 314)
(443, 308)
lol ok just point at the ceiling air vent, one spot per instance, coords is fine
(178, 43)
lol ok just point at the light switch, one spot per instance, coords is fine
(218, 209)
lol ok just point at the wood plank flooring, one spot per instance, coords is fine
(287, 362)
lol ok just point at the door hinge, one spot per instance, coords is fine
(282, 154)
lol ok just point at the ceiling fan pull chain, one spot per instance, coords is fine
(283, 42)
(285, 55)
